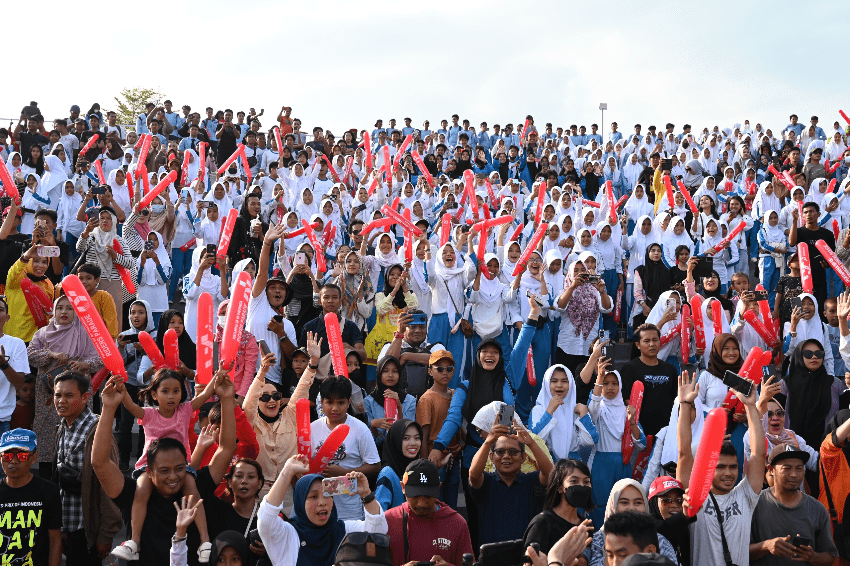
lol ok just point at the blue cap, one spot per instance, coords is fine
(75, 108)
(19, 438)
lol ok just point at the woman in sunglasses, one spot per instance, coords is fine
(313, 533)
(773, 422)
(812, 393)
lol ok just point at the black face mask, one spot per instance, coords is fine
(578, 496)
(356, 377)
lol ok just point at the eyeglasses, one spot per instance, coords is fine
(780, 413)
(355, 232)
(809, 354)
(671, 500)
(444, 369)
(363, 538)
(500, 452)
(266, 397)
(21, 456)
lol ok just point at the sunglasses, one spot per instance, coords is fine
(444, 369)
(809, 354)
(512, 452)
(780, 413)
(671, 500)
(266, 397)
(21, 456)
(363, 538)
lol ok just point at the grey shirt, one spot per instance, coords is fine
(772, 519)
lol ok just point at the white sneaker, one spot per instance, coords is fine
(204, 552)
(127, 551)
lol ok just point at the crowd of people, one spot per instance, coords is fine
(502, 296)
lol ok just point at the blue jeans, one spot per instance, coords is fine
(181, 264)
(450, 481)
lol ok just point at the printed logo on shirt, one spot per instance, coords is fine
(18, 531)
(732, 511)
(656, 379)
(338, 456)
(442, 543)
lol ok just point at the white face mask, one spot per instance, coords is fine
(847, 160)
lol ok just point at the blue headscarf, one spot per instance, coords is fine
(318, 543)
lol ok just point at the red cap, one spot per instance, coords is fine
(663, 484)
(8, 209)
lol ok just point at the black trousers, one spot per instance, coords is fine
(77, 551)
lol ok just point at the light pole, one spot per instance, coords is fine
(603, 106)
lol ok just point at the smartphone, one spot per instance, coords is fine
(204, 204)
(149, 246)
(760, 295)
(506, 415)
(300, 258)
(604, 336)
(536, 300)
(796, 303)
(339, 486)
(667, 164)
(671, 304)
(801, 541)
(101, 190)
(278, 318)
(704, 266)
(264, 348)
(765, 372)
(211, 249)
(184, 194)
(48, 251)
(419, 319)
(593, 279)
(132, 338)
(738, 383)
(254, 536)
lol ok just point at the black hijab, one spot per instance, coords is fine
(378, 392)
(716, 294)
(188, 353)
(484, 386)
(393, 455)
(399, 301)
(229, 538)
(809, 396)
(654, 276)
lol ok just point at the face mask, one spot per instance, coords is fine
(221, 319)
(158, 208)
(356, 377)
(847, 160)
(578, 495)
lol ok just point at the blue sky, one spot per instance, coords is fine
(345, 64)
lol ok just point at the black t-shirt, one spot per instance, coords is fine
(810, 237)
(11, 250)
(546, 529)
(351, 335)
(221, 516)
(161, 517)
(660, 389)
(226, 141)
(28, 140)
(26, 514)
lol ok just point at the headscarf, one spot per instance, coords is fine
(53, 181)
(161, 223)
(613, 411)
(386, 260)
(224, 204)
(209, 284)
(638, 207)
(716, 366)
(186, 347)
(103, 242)
(618, 488)
(484, 386)
(654, 275)
(149, 326)
(583, 307)
(606, 250)
(353, 281)
(318, 543)
(380, 387)
(671, 241)
(149, 274)
(240, 266)
(490, 290)
(229, 538)
(655, 316)
(694, 178)
(71, 339)
(809, 395)
(393, 455)
(560, 435)
(670, 450)
(784, 436)
(813, 328)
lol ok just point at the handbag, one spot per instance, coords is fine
(465, 325)
(840, 533)
(491, 327)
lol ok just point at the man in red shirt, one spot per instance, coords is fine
(423, 528)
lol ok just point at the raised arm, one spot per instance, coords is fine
(227, 437)
(263, 270)
(107, 471)
(688, 391)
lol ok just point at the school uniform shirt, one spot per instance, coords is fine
(357, 449)
(737, 508)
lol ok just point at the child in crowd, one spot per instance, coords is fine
(24, 413)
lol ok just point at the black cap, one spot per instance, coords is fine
(281, 279)
(421, 477)
(785, 452)
(302, 351)
(361, 549)
(648, 559)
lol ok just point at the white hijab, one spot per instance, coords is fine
(560, 435)
(149, 274)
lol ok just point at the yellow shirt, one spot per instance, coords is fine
(21, 323)
(105, 305)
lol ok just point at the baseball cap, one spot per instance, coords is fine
(8, 209)
(302, 351)
(75, 108)
(19, 438)
(421, 477)
(360, 549)
(663, 484)
(440, 355)
(785, 452)
(281, 279)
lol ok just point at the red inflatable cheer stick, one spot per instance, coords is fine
(482, 249)
(620, 202)
(227, 233)
(530, 248)
(675, 331)
(612, 206)
(331, 168)
(401, 220)
(171, 349)
(831, 187)
(335, 344)
(317, 247)
(143, 155)
(123, 272)
(731, 236)
(445, 229)
(94, 325)
(628, 442)
(421, 165)
(130, 189)
(843, 115)
(408, 246)
(152, 351)
(805, 267)
(529, 367)
(184, 168)
(494, 202)
(592, 203)
(277, 141)
(154, 192)
(618, 305)
(323, 457)
(779, 176)
(717, 317)
(204, 356)
(90, 143)
(146, 181)
(234, 323)
(686, 333)
(9, 186)
(391, 410)
(749, 365)
(388, 165)
(400, 153)
(99, 168)
(671, 202)
(541, 195)
(302, 412)
(833, 261)
(367, 149)
(315, 225)
(379, 223)
(202, 160)
(516, 233)
(699, 323)
(98, 379)
(38, 302)
(688, 198)
(705, 461)
(760, 328)
(246, 167)
(233, 157)
(764, 308)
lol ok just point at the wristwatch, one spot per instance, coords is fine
(4, 366)
(398, 335)
(368, 499)
(312, 367)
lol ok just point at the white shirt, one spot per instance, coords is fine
(568, 342)
(357, 449)
(260, 313)
(17, 352)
